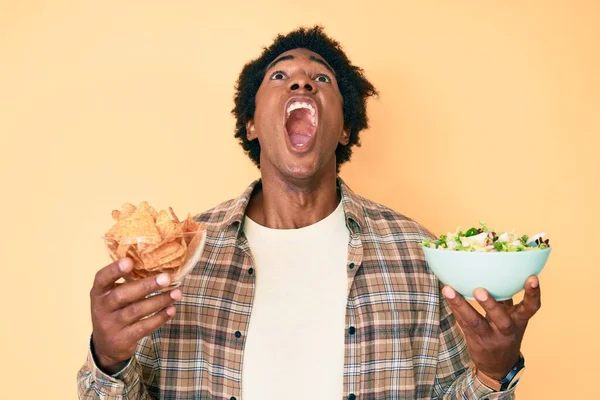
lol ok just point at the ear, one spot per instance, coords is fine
(251, 130)
(345, 137)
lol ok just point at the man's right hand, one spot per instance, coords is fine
(119, 311)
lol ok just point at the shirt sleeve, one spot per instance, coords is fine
(454, 378)
(136, 381)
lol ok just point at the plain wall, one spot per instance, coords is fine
(488, 111)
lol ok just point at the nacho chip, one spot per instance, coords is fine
(189, 225)
(122, 250)
(174, 216)
(162, 255)
(126, 210)
(137, 261)
(147, 207)
(111, 246)
(166, 227)
(171, 232)
(172, 265)
(184, 244)
(139, 225)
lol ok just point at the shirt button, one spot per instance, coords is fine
(351, 396)
(251, 271)
(351, 331)
(238, 334)
(351, 266)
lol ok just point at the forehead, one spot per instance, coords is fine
(300, 55)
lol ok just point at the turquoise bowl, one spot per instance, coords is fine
(502, 274)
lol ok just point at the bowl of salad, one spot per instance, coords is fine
(483, 258)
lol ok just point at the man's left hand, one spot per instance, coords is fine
(494, 341)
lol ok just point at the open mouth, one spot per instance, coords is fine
(301, 120)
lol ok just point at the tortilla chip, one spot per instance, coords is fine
(172, 265)
(174, 216)
(169, 229)
(164, 224)
(131, 253)
(122, 250)
(147, 207)
(111, 246)
(126, 210)
(162, 255)
(139, 225)
(189, 225)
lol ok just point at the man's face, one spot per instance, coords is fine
(298, 119)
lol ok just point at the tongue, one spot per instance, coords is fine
(299, 127)
(298, 139)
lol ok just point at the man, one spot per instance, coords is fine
(305, 289)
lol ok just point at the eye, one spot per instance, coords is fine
(323, 78)
(278, 75)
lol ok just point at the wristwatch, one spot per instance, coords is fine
(509, 381)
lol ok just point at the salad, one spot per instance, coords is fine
(486, 239)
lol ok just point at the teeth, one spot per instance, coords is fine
(301, 104)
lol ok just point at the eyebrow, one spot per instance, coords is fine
(291, 57)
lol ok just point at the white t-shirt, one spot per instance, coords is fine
(295, 343)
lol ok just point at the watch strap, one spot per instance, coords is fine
(505, 382)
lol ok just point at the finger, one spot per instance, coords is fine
(146, 326)
(131, 292)
(496, 311)
(456, 316)
(142, 308)
(532, 300)
(107, 276)
(468, 318)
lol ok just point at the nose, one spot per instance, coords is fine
(301, 83)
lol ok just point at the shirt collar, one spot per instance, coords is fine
(351, 202)
(353, 209)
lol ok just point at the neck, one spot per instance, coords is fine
(281, 204)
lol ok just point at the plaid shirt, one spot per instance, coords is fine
(401, 341)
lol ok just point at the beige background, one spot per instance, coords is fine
(488, 110)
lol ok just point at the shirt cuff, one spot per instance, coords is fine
(110, 384)
(485, 392)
